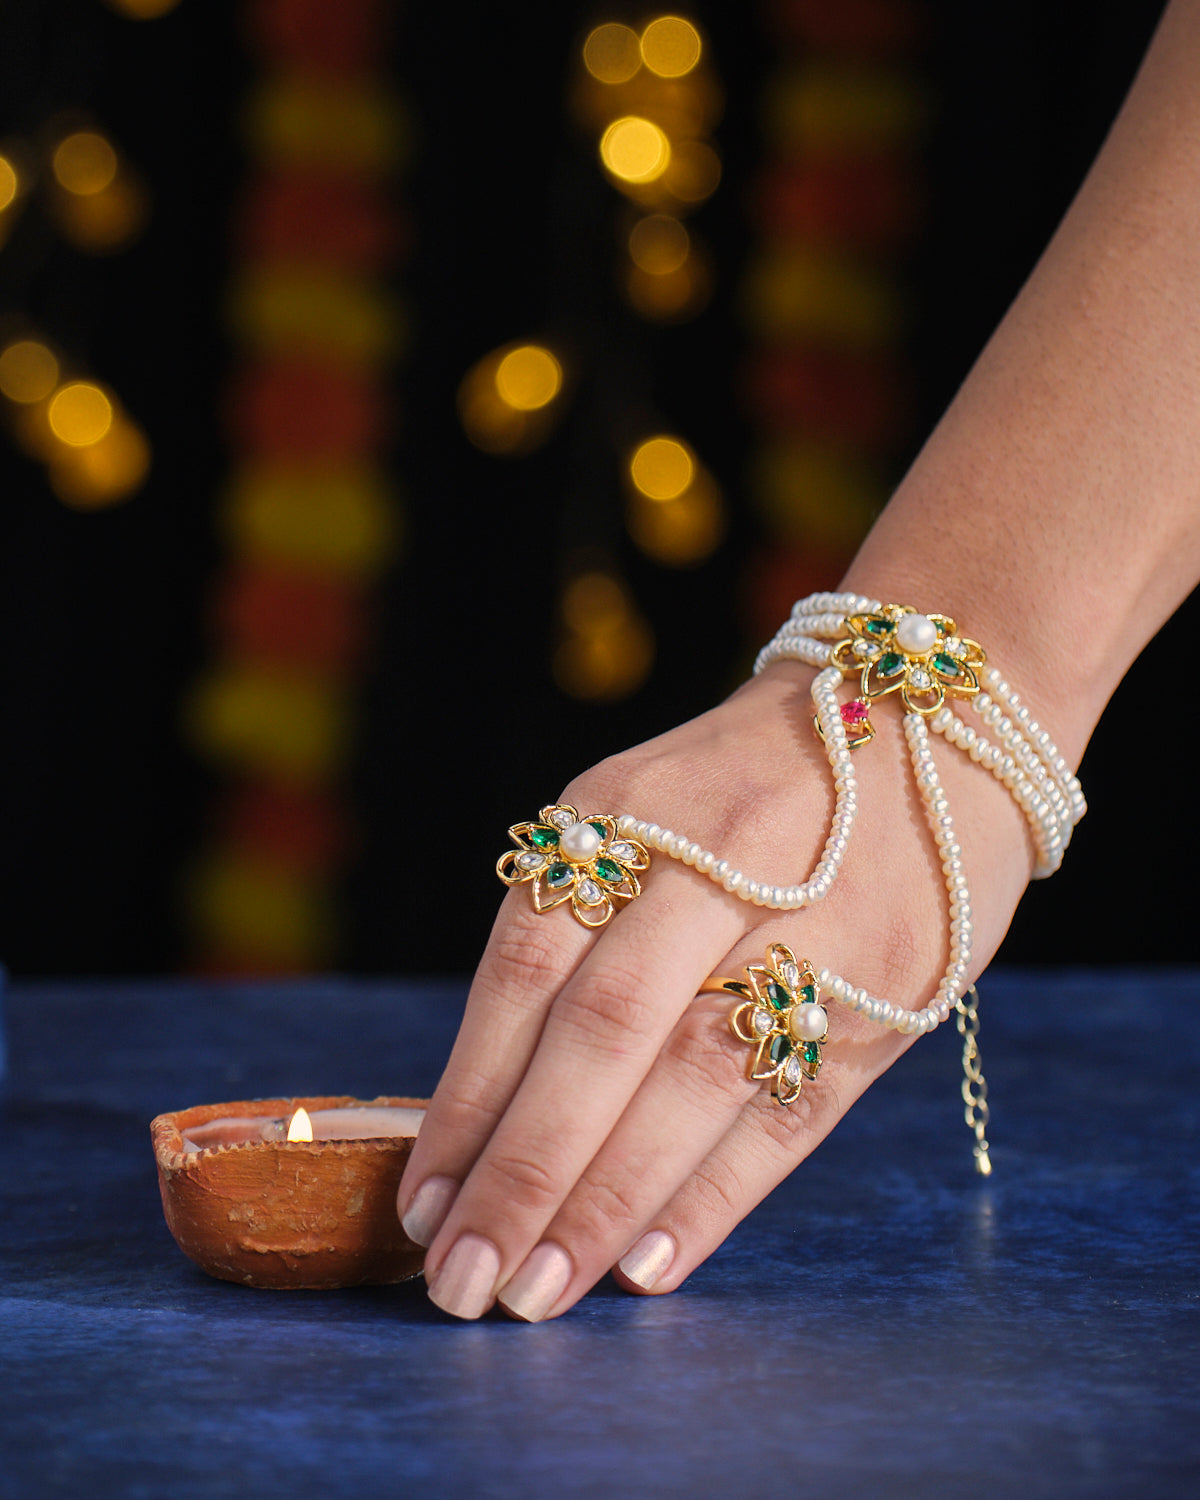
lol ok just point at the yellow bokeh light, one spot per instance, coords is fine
(9, 183)
(594, 601)
(662, 468)
(659, 244)
(670, 46)
(612, 53)
(252, 913)
(104, 473)
(683, 531)
(528, 377)
(635, 150)
(80, 413)
(28, 372)
(85, 163)
(693, 173)
(340, 520)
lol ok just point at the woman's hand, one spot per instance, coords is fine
(595, 1112)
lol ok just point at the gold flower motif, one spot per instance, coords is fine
(585, 861)
(923, 657)
(782, 1019)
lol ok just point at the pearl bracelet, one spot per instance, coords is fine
(922, 657)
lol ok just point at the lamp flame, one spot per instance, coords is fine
(300, 1126)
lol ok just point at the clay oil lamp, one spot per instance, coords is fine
(290, 1193)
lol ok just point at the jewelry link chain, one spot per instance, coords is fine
(974, 1085)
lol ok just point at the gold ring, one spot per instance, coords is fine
(586, 861)
(780, 1016)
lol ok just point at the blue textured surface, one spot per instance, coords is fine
(885, 1325)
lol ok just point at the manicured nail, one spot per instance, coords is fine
(650, 1259)
(538, 1284)
(465, 1286)
(427, 1212)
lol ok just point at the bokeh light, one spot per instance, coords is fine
(681, 531)
(105, 472)
(635, 150)
(340, 520)
(28, 371)
(85, 163)
(608, 648)
(670, 46)
(612, 53)
(662, 468)
(693, 173)
(528, 377)
(80, 413)
(659, 244)
(9, 183)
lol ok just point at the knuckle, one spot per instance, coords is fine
(717, 1193)
(522, 959)
(603, 1209)
(604, 1008)
(702, 1063)
(524, 1182)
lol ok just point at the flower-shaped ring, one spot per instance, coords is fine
(780, 1016)
(586, 861)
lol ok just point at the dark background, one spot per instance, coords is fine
(104, 614)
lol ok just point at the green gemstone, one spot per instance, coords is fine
(558, 875)
(812, 1053)
(808, 995)
(878, 626)
(946, 665)
(781, 1050)
(600, 829)
(890, 663)
(543, 838)
(607, 870)
(777, 995)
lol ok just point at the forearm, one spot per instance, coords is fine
(1054, 511)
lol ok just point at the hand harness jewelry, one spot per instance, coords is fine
(891, 649)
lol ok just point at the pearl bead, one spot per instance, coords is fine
(916, 634)
(808, 1023)
(580, 842)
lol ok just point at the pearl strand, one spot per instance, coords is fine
(954, 982)
(763, 893)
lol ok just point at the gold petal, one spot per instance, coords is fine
(546, 899)
(786, 1093)
(944, 623)
(919, 703)
(591, 916)
(761, 1065)
(610, 823)
(515, 876)
(743, 1014)
(843, 658)
(554, 807)
(779, 954)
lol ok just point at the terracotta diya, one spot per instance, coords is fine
(249, 1205)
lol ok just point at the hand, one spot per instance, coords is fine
(595, 1112)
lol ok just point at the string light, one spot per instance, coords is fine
(528, 377)
(635, 150)
(659, 244)
(612, 53)
(670, 46)
(608, 648)
(80, 413)
(662, 468)
(84, 163)
(28, 371)
(508, 401)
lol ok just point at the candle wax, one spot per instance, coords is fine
(367, 1122)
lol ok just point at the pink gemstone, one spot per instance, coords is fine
(855, 713)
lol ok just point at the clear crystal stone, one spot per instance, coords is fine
(791, 1070)
(920, 679)
(560, 818)
(531, 861)
(589, 893)
(763, 1022)
(790, 975)
(952, 646)
(619, 849)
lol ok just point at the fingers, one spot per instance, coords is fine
(698, 1147)
(601, 1037)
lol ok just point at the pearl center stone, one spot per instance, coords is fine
(807, 1023)
(580, 842)
(916, 634)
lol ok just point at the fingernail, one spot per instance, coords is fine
(466, 1283)
(650, 1259)
(427, 1212)
(538, 1284)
